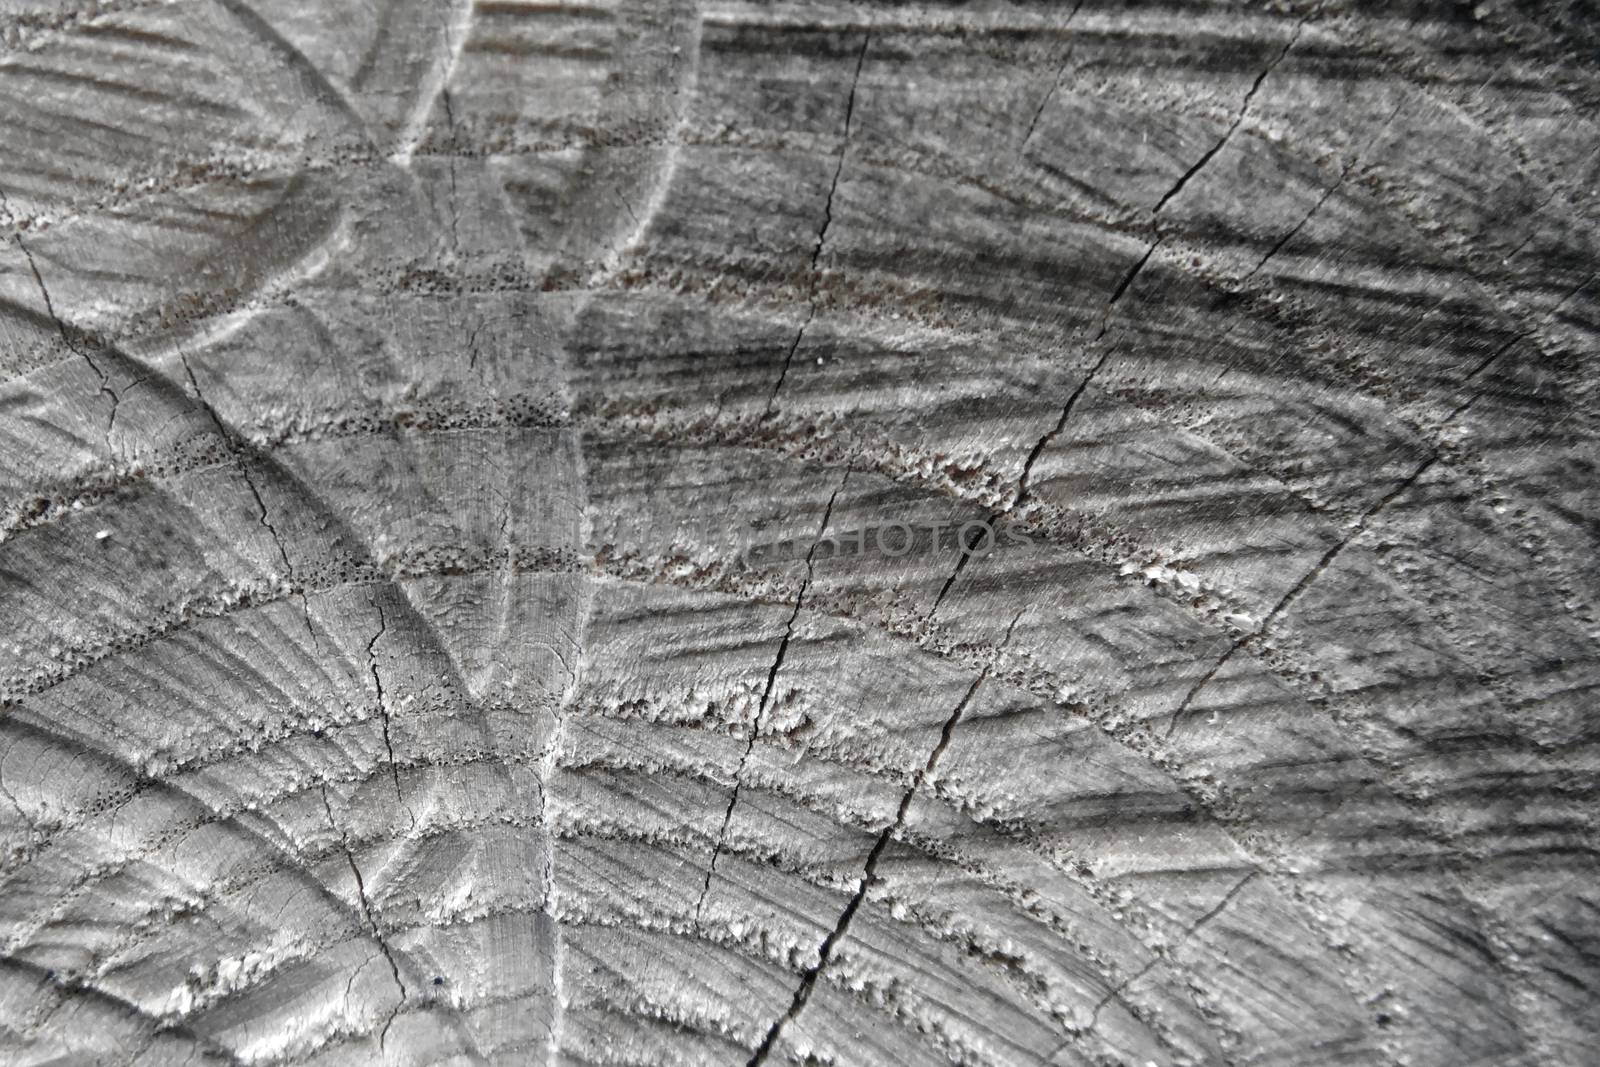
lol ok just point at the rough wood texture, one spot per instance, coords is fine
(449, 460)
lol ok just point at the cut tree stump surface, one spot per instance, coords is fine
(830, 533)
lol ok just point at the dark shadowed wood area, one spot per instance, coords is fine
(645, 533)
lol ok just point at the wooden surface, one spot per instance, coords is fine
(483, 573)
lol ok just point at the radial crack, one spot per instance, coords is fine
(1055, 84)
(808, 978)
(822, 231)
(766, 698)
(66, 332)
(1522, 335)
(366, 912)
(1244, 108)
(1123, 284)
(241, 464)
(1298, 589)
(1020, 495)
(1061, 424)
(383, 710)
(1327, 193)
(1122, 987)
(968, 548)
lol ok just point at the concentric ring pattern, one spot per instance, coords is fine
(642, 533)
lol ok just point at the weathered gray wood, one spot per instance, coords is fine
(454, 608)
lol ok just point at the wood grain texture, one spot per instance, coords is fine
(490, 512)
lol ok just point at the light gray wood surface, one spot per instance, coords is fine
(483, 493)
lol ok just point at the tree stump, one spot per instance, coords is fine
(638, 532)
